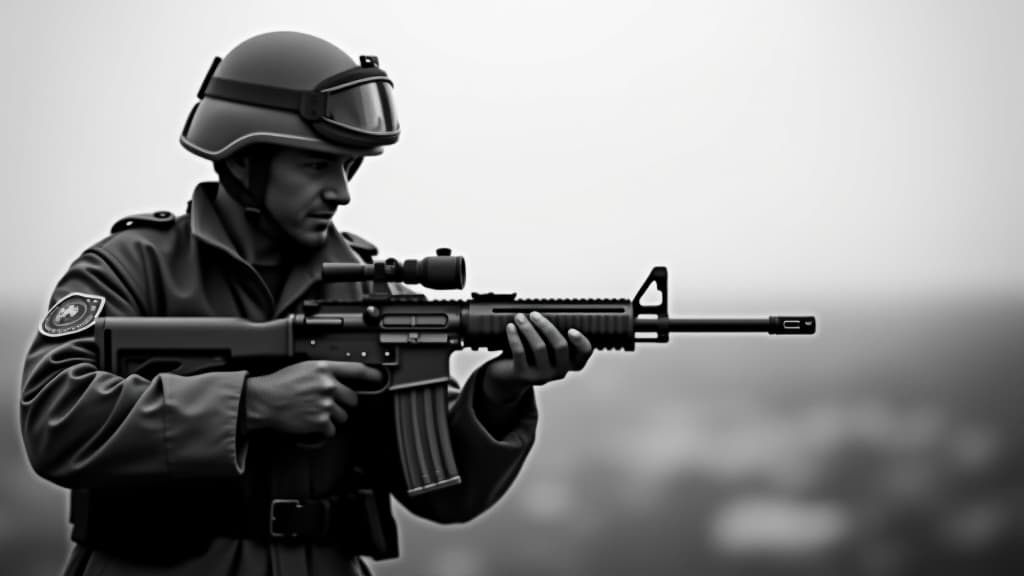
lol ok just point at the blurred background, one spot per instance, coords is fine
(859, 161)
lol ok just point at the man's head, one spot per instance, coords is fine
(300, 192)
(295, 92)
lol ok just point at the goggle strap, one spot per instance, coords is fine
(209, 75)
(256, 94)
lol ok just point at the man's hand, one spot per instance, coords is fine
(539, 354)
(307, 398)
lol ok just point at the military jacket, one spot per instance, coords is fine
(87, 429)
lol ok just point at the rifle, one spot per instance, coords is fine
(406, 335)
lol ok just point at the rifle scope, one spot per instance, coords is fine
(441, 272)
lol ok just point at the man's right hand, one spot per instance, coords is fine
(305, 399)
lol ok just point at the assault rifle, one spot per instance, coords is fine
(406, 335)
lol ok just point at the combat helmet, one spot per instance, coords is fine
(294, 90)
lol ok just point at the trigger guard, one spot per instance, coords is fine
(384, 386)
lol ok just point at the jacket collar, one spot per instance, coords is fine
(208, 227)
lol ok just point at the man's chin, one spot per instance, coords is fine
(309, 239)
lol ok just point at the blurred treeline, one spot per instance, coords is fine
(891, 443)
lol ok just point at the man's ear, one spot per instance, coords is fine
(238, 164)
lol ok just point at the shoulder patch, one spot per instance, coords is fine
(162, 220)
(72, 314)
(361, 245)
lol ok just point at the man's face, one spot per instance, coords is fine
(303, 191)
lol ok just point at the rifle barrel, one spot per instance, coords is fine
(771, 324)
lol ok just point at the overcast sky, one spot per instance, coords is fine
(564, 148)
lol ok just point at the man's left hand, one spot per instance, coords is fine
(539, 354)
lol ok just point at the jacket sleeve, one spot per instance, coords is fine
(488, 460)
(83, 427)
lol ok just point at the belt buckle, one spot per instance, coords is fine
(273, 516)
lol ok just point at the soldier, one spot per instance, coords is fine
(207, 474)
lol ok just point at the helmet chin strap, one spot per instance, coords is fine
(253, 197)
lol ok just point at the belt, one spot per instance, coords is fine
(291, 519)
(176, 524)
(302, 519)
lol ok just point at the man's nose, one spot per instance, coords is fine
(337, 191)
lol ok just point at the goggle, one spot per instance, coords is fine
(355, 108)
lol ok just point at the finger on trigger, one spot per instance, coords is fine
(355, 371)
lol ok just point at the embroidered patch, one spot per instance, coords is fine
(74, 313)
